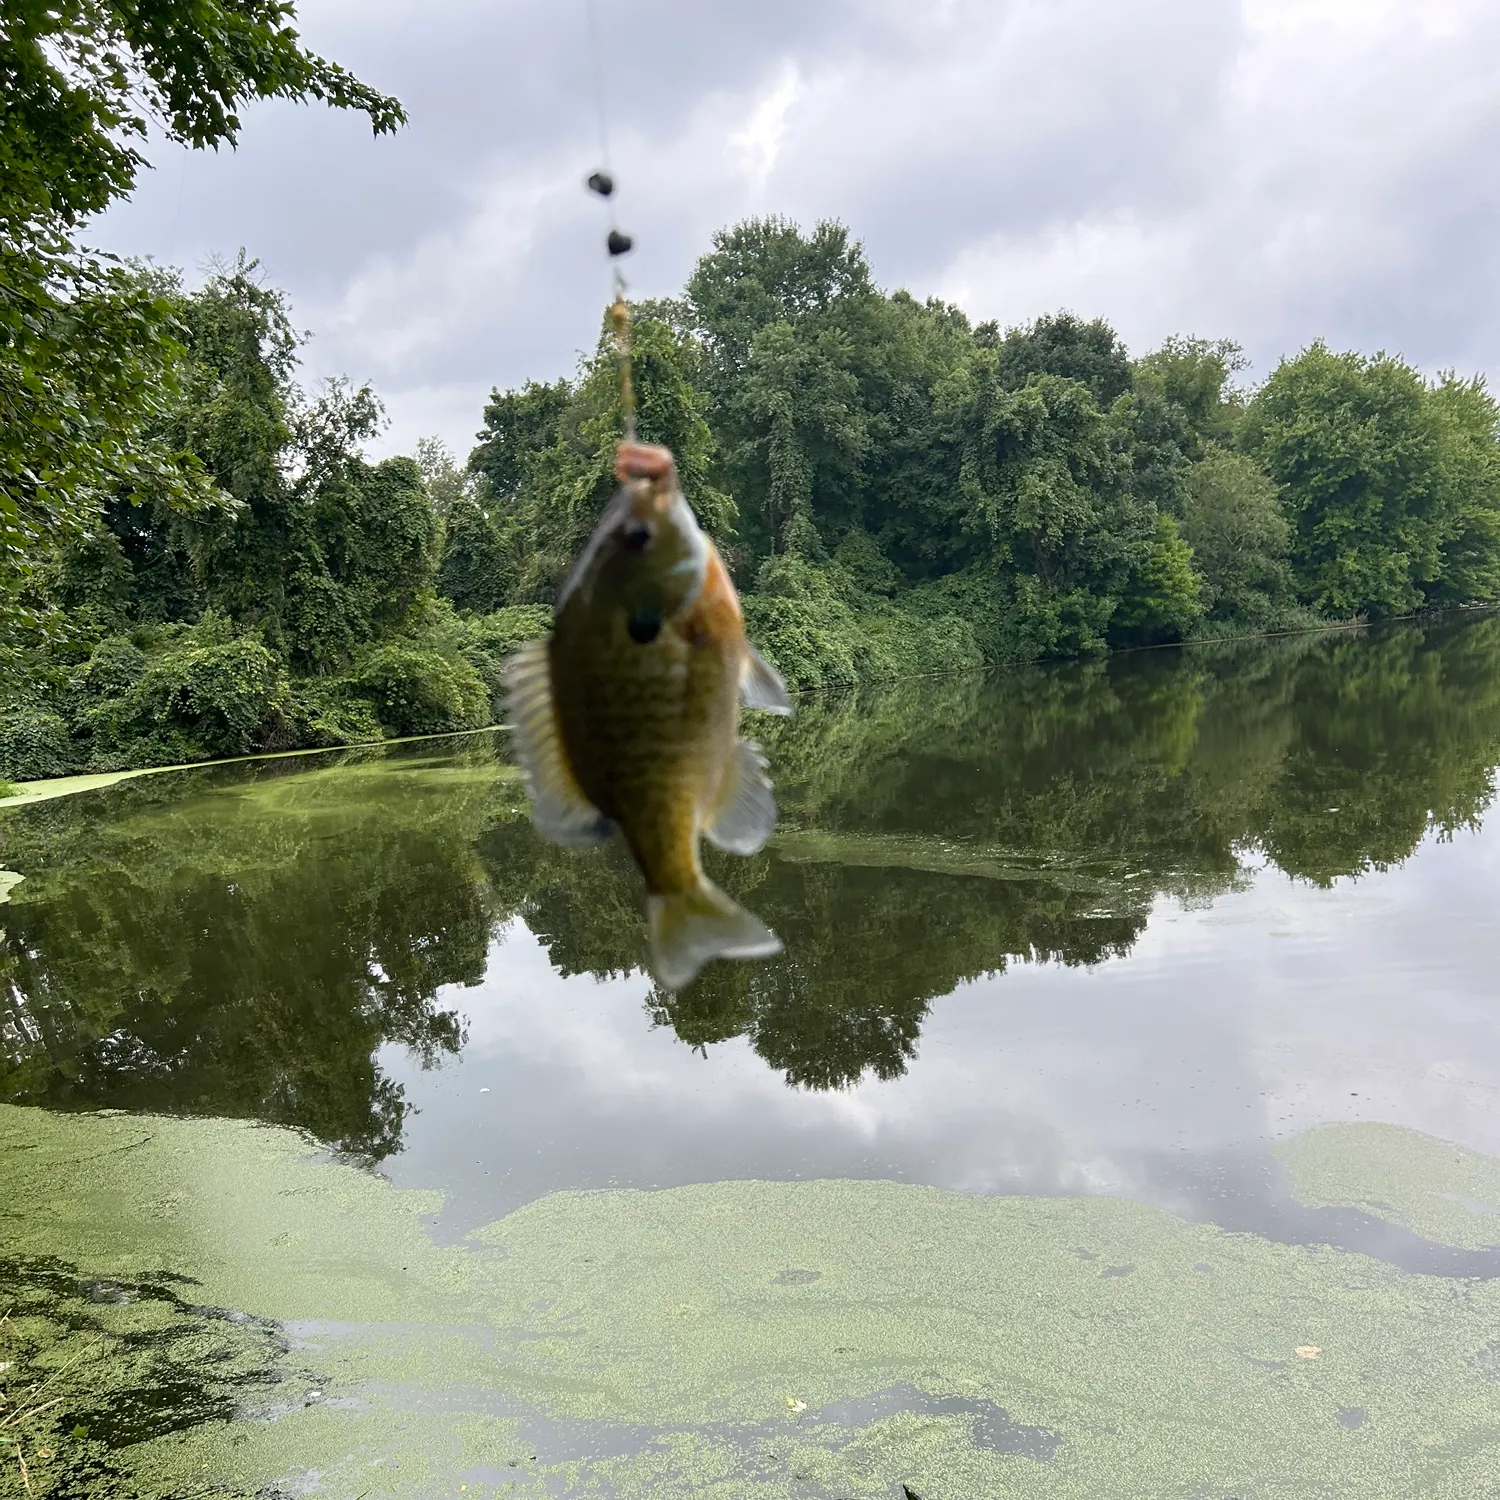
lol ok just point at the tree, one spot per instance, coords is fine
(1162, 598)
(1362, 453)
(547, 456)
(1197, 375)
(1064, 345)
(87, 347)
(518, 425)
(1470, 567)
(1240, 535)
(766, 271)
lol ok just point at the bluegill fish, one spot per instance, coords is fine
(628, 715)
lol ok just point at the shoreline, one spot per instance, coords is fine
(29, 792)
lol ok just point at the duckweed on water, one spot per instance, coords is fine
(1434, 1188)
(657, 1344)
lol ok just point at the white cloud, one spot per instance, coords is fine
(759, 143)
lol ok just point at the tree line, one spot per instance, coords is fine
(197, 559)
(901, 490)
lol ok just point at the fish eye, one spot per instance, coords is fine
(637, 535)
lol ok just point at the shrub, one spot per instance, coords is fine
(416, 690)
(34, 743)
(331, 711)
(485, 641)
(1014, 618)
(821, 630)
(195, 700)
(114, 667)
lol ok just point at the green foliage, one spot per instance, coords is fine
(331, 711)
(1373, 465)
(820, 629)
(416, 690)
(1470, 564)
(1196, 376)
(484, 641)
(89, 348)
(547, 455)
(202, 695)
(897, 492)
(1065, 346)
(1241, 540)
(518, 425)
(480, 551)
(34, 744)
(1161, 601)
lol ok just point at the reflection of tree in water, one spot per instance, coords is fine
(867, 950)
(247, 953)
(934, 832)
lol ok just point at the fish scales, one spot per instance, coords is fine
(628, 717)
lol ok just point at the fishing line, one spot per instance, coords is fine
(602, 183)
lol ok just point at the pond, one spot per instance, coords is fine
(1121, 1118)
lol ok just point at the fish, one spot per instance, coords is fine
(627, 716)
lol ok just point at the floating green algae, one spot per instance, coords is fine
(1441, 1191)
(744, 1338)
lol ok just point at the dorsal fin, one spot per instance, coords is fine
(559, 808)
(744, 813)
(761, 685)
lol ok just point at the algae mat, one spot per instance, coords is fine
(1440, 1191)
(290, 1328)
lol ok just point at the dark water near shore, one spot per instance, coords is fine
(1124, 930)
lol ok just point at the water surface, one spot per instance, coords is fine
(1205, 937)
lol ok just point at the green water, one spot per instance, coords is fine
(1136, 1030)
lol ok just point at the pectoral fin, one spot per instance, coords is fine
(761, 685)
(559, 808)
(744, 814)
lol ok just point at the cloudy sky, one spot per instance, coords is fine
(1266, 170)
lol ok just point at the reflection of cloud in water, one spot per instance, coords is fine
(1160, 1075)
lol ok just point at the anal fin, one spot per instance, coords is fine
(559, 808)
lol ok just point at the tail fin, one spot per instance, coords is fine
(690, 927)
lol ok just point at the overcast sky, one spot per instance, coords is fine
(1266, 170)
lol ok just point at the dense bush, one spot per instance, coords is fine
(34, 744)
(197, 696)
(821, 630)
(416, 690)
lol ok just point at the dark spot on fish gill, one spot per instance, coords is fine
(644, 627)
